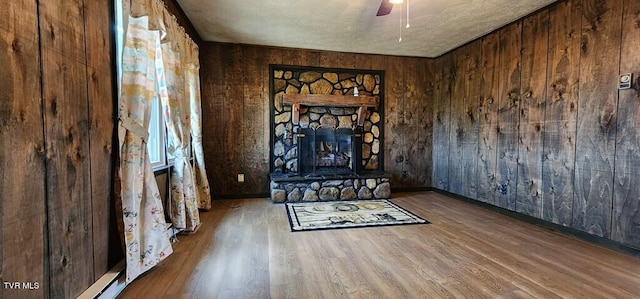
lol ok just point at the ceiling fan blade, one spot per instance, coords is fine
(385, 8)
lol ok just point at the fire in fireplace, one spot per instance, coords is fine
(327, 151)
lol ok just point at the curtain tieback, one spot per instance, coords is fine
(182, 153)
(134, 127)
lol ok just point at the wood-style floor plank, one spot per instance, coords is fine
(245, 249)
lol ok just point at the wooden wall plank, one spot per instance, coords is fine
(328, 59)
(561, 108)
(509, 98)
(378, 62)
(231, 161)
(346, 60)
(393, 120)
(67, 123)
(408, 126)
(363, 61)
(470, 121)
(253, 121)
(441, 122)
(337, 60)
(68, 175)
(300, 57)
(255, 124)
(626, 201)
(535, 32)
(596, 130)
(212, 89)
(22, 163)
(213, 80)
(416, 121)
(457, 131)
(488, 121)
(425, 122)
(97, 26)
(62, 27)
(101, 108)
(20, 17)
(213, 86)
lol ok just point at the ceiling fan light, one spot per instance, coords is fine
(396, 1)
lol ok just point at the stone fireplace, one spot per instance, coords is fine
(326, 142)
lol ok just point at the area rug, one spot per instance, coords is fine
(348, 214)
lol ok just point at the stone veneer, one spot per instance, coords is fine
(318, 189)
(297, 80)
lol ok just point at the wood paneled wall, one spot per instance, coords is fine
(22, 150)
(56, 118)
(555, 138)
(235, 93)
(626, 193)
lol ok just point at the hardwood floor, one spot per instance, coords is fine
(245, 249)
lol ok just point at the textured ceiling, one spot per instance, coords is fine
(437, 26)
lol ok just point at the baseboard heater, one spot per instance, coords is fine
(109, 285)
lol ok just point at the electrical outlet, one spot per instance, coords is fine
(240, 177)
(625, 81)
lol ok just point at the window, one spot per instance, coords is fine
(157, 141)
(156, 145)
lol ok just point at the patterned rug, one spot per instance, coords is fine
(347, 214)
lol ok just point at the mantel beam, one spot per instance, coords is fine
(330, 100)
(326, 100)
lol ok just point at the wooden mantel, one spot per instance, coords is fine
(327, 100)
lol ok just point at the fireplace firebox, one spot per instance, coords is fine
(329, 151)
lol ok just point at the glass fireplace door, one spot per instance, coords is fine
(306, 151)
(344, 151)
(326, 151)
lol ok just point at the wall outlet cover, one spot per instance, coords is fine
(625, 81)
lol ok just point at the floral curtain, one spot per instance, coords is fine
(145, 235)
(175, 107)
(192, 81)
(158, 60)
